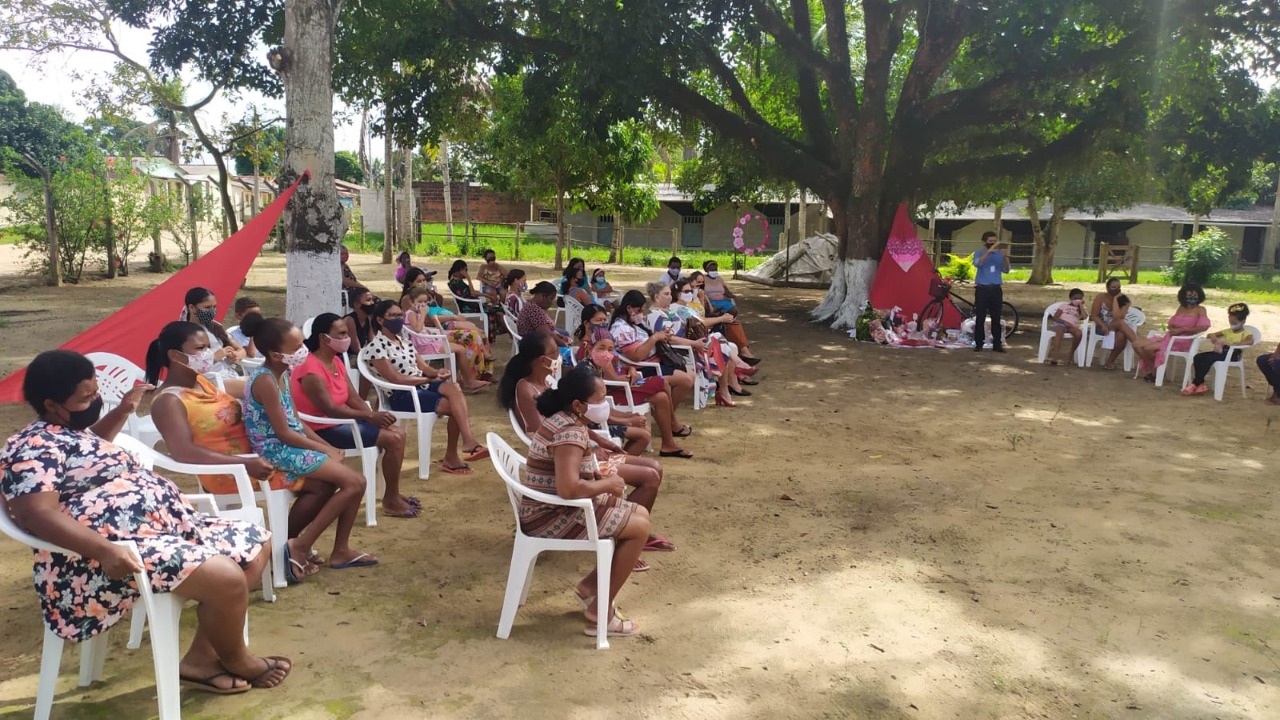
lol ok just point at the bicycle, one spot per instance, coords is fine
(943, 292)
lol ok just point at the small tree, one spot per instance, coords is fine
(137, 215)
(1201, 257)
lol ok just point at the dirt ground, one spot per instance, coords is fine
(875, 534)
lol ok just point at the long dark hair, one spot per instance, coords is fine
(457, 265)
(172, 337)
(577, 384)
(323, 323)
(410, 276)
(530, 348)
(512, 277)
(379, 311)
(630, 299)
(195, 296)
(568, 269)
(267, 333)
(588, 312)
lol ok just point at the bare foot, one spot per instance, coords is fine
(262, 672)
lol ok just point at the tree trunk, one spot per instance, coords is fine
(804, 210)
(364, 149)
(388, 192)
(1046, 242)
(229, 222)
(860, 223)
(406, 233)
(51, 231)
(559, 225)
(447, 186)
(257, 175)
(314, 221)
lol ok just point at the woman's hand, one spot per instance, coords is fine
(637, 421)
(381, 419)
(334, 453)
(129, 403)
(614, 485)
(118, 561)
(258, 468)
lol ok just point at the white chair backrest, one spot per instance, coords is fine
(511, 325)
(515, 425)
(145, 456)
(232, 330)
(572, 313)
(116, 376)
(473, 306)
(508, 464)
(1048, 314)
(1135, 317)
(306, 327)
(1255, 337)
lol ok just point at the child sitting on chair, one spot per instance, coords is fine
(1223, 340)
(1066, 320)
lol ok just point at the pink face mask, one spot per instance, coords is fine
(602, 358)
(339, 345)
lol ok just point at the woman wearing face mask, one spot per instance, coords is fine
(570, 270)
(65, 482)
(638, 343)
(321, 386)
(576, 287)
(531, 371)
(1188, 320)
(713, 360)
(394, 359)
(695, 298)
(718, 293)
(430, 337)
(201, 307)
(460, 286)
(560, 461)
(601, 290)
(332, 491)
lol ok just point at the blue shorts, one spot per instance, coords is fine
(340, 436)
(428, 398)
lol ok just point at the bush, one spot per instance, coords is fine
(958, 267)
(1200, 258)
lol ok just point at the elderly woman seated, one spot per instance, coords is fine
(65, 482)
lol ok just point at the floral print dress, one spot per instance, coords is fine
(105, 489)
(294, 461)
(462, 289)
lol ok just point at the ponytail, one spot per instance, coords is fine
(578, 384)
(172, 337)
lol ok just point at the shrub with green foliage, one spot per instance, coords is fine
(958, 267)
(1200, 258)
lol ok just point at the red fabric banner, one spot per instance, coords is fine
(902, 279)
(129, 331)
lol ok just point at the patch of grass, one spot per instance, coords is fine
(1249, 288)
(343, 708)
(1223, 513)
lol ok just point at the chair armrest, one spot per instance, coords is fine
(583, 504)
(204, 502)
(325, 420)
(244, 486)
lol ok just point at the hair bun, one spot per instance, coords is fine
(251, 324)
(1240, 309)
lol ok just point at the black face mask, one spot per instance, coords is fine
(84, 419)
(368, 308)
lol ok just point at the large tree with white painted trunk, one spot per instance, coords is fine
(867, 103)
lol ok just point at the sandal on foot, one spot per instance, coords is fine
(316, 559)
(684, 431)
(359, 561)
(681, 453)
(618, 627)
(207, 685)
(641, 566)
(657, 543)
(463, 469)
(273, 664)
(294, 571)
(478, 452)
(412, 511)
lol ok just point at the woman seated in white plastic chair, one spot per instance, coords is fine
(529, 373)
(321, 386)
(469, 346)
(712, 360)
(394, 360)
(638, 343)
(201, 307)
(560, 462)
(66, 483)
(204, 425)
(514, 286)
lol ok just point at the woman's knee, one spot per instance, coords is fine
(391, 438)
(638, 525)
(218, 578)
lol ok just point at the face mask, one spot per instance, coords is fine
(602, 358)
(524, 287)
(431, 287)
(674, 272)
(600, 282)
(421, 307)
(598, 413)
(713, 274)
(84, 419)
(1236, 327)
(1077, 303)
(295, 358)
(393, 326)
(686, 297)
(339, 345)
(553, 370)
(201, 362)
(367, 308)
(205, 316)
(636, 318)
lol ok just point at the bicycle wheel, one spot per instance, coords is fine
(1009, 318)
(933, 310)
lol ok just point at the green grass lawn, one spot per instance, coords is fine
(1249, 288)
(501, 239)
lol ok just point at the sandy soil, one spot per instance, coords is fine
(874, 534)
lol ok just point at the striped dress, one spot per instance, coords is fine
(557, 521)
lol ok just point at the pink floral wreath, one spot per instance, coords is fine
(738, 242)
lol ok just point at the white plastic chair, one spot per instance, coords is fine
(306, 327)
(1046, 335)
(425, 420)
(161, 610)
(1193, 347)
(447, 356)
(526, 549)
(1135, 318)
(572, 313)
(1222, 368)
(116, 376)
(515, 425)
(510, 322)
(702, 386)
(630, 405)
(368, 462)
(480, 318)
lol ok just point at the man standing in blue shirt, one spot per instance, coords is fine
(992, 264)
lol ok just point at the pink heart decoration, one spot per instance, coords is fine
(905, 251)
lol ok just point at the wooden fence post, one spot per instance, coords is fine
(1133, 271)
(568, 242)
(675, 241)
(519, 227)
(1104, 260)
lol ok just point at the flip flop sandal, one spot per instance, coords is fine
(657, 543)
(684, 431)
(359, 561)
(617, 627)
(684, 454)
(316, 559)
(290, 576)
(412, 512)
(478, 452)
(273, 664)
(745, 381)
(463, 469)
(206, 684)
(641, 566)
(413, 501)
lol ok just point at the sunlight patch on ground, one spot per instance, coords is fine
(1156, 682)
(1050, 416)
